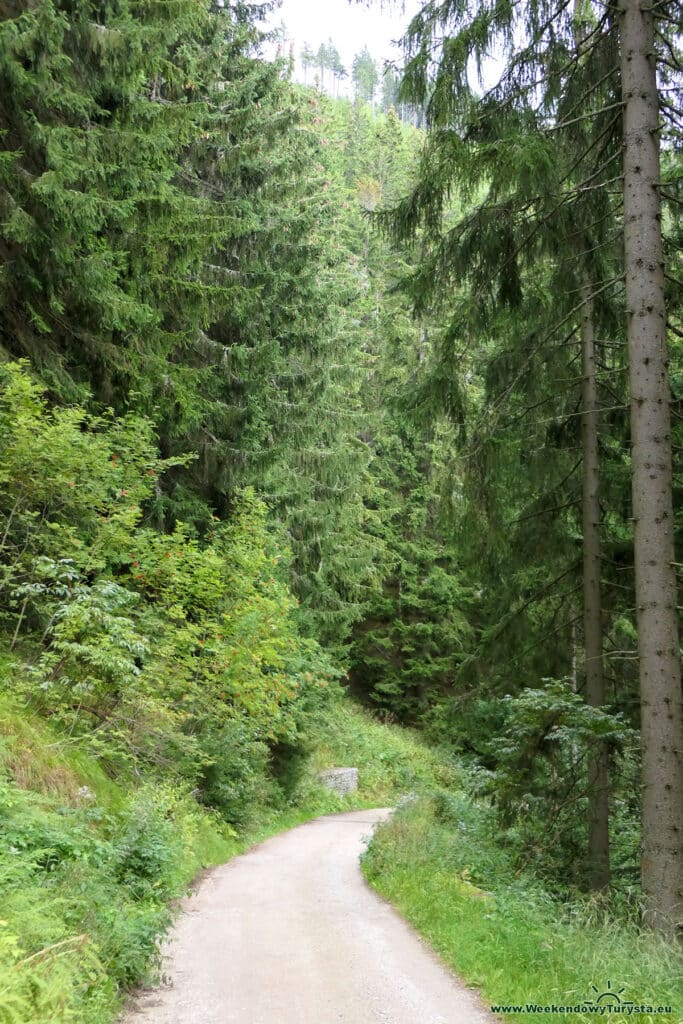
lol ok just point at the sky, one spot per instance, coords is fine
(351, 25)
(377, 24)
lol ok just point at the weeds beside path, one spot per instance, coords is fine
(438, 863)
(91, 866)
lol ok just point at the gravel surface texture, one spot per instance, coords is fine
(290, 933)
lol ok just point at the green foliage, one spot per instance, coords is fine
(326, 59)
(149, 845)
(235, 777)
(439, 862)
(515, 217)
(406, 652)
(144, 644)
(412, 631)
(94, 151)
(85, 894)
(252, 459)
(167, 657)
(199, 283)
(365, 76)
(392, 761)
(542, 754)
(87, 868)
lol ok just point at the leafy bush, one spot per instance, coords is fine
(149, 847)
(234, 778)
(147, 646)
(85, 896)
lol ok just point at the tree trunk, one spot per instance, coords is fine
(660, 676)
(598, 808)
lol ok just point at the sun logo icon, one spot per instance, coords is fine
(610, 996)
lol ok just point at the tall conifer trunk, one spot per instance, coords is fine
(598, 814)
(598, 768)
(660, 677)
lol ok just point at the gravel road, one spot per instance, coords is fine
(291, 934)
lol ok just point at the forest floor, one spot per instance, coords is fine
(290, 932)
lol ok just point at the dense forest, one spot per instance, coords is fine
(304, 395)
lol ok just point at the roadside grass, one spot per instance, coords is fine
(392, 761)
(88, 871)
(91, 868)
(40, 760)
(438, 862)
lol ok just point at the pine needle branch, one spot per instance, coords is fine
(585, 117)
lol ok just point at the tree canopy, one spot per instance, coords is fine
(294, 391)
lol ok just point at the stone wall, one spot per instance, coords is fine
(340, 780)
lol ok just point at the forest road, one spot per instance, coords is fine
(291, 934)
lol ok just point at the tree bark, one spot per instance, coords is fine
(598, 806)
(598, 766)
(660, 675)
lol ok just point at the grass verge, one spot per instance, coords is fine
(91, 867)
(438, 862)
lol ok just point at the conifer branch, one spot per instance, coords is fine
(595, 284)
(572, 312)
(536, 405)
(589, 92)
(545, 511)
(529, 50)
(567, 476)
(517, 611)
(601, 137)
(584, 117)
(663, 17)
(516, 658)
(608, 241)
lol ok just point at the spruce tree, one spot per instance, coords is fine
(656, 590)
(197, 276)
(100, 243)
(540, 71)
(364, 76)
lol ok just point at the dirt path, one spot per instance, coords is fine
(291, 934)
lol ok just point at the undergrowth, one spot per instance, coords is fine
(438, 860)
(88, 870)
(91, 867)
(391, 760)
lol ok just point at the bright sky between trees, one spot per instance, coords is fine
(351, 25)
(377, 24)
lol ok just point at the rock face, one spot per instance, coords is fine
(340, 780)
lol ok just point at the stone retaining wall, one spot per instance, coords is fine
(340, 780)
